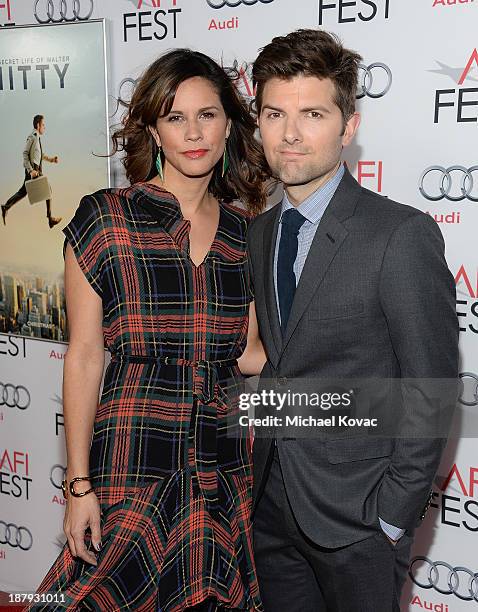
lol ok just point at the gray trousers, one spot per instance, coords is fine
(297, 575)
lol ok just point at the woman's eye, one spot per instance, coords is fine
(174, 118)
(208, 115)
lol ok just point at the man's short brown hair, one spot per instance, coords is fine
(310, 53)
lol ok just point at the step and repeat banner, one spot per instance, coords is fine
(418, 95)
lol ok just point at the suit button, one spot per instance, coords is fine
(282, 381)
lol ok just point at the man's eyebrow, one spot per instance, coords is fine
(307, 109)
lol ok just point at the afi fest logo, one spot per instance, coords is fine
(14, 474)
(459, 103)
(370, 175)
(6, 13)
(62, 11)
(466, 282)
(145, 25)
(350, 11)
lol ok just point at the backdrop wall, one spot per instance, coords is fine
(417, 144)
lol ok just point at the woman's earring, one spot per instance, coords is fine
(225, 161)
(159, 165)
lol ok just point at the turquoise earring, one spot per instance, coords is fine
(225, 161)
(159, 165)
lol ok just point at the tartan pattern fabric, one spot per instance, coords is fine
(175, 489)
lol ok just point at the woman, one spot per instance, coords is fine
(160, 270)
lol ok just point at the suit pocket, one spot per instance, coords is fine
(357, 449)
(323, 311)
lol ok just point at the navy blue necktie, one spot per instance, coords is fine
(292, 221)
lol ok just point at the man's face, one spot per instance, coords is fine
(302, 129)
(41, 127)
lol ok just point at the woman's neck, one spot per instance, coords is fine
(191, 192)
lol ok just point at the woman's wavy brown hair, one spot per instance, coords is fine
(153, 97)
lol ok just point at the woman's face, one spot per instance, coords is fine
(193, 134)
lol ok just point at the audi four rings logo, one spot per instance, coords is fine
(60, 11)
(459, 581)
(14, 536)
(472, 397)
(374, 80)
(14, 396)
(441, 186)
(218, 4)
(57, 474)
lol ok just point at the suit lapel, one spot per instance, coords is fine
(270, 236)
(327, 241)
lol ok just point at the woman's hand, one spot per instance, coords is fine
(81, 513)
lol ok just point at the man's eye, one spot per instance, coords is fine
(315, 114)
(273, 115)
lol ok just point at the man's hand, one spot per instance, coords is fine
(55, 159)
(34, 174)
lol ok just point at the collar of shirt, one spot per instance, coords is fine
(314, 206)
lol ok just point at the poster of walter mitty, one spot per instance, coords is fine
(53, 104)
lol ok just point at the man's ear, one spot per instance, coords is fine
(350, 128)
(154, 133)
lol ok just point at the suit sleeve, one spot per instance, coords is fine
(417, 294)
(26, 154)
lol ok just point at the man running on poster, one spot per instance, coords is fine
(33, 157)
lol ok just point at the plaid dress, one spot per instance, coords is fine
(174, 487)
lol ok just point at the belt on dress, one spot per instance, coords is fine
(202, 440)
(173, 360)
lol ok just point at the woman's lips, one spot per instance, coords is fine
(196, 153)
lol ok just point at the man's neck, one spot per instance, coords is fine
(296, 194)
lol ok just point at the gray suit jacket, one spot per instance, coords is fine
(375, 300)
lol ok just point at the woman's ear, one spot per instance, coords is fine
(154, 133)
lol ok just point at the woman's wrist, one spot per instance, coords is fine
(77, 486)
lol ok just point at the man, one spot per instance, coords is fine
(33, 157)
(348, 285)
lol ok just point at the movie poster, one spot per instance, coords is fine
(53, 76)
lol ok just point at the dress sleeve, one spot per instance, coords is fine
(86, 235)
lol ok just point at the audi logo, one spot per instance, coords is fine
(57, 474)
(14, 396)
(368, 77)
(14, 536)
(473, 400)
(219, 4)
(459, 581)
(60, 11)
(443, 184)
